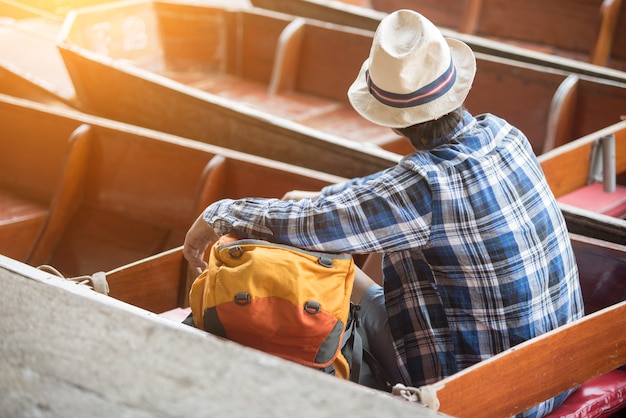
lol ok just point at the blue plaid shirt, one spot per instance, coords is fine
(476, 258)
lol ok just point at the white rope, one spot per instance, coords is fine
(96, 282)
(425, 396)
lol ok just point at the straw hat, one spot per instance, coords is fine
(413, 73)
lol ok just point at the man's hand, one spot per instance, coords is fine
(197, 240)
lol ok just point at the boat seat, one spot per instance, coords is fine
(593, 197)
(66, 195)
(21, 220)
(609, 12)
(27, 224)
(561, 114)
(601, 194)
(600, 397)
(154, 283)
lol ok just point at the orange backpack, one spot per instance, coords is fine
(276, 298)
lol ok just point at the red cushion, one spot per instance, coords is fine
(599, 397)
(594, 198)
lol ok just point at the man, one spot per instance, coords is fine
(476, 255)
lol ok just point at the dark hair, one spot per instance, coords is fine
(431, 134)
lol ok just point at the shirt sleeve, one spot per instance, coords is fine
(388, 211)
(339, 187)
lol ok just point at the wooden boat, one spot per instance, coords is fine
(159, 284)
(601, 265)
(23, 74)
(590, 183)
(195, 61)
(85, 194)
(139, 95)
(61, 8)
(68, 351)
(54, 8)
(582, 31)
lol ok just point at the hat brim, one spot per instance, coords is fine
(373, 110)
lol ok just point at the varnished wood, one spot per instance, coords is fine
(126, 193)
(67, 195)
(72, 352)
(567, 168)
(21, 220)
(601, 267)
(285, 67)
(537, 369)
(31, 166)
(560, 123)
(609, 11)
(509, 382)
(23, 73)
(258, 58)
(582, 30)
(255, 121)
(472, 16)
(366, 17)
(562, 359)
(154, 283)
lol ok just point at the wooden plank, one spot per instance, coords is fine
(560, 118)
(602, 49)
(558, 163)
(595, 225)
(246, 123)
(21, 220)
(538, 369)
(567, 168)
(67, 195)
(26, 75)
(601, 266)
(154, 283)
(286, 62)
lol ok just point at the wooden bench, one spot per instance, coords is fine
(588, 208)
(223, 177)
(360, 14)
(141, 195)
(122, 193)
(34, 163)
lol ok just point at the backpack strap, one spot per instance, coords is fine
(359, 354)
(353, 339)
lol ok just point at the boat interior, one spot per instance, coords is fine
(24, 31)
(279, 64)
(161, 285)
(588, 178)
(591, 31)
(266, 61)
(85, 195)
